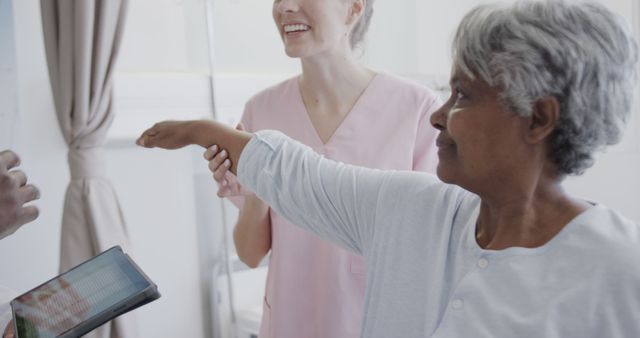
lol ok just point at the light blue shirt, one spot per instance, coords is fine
(427, 276)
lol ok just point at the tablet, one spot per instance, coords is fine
(83, 298)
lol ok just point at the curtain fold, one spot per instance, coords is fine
(82, 39)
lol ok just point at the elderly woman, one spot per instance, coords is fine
(499, 249)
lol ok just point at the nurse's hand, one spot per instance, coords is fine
(169, 135)
(219, 164)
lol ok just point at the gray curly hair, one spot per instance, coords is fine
(362, 26)
(582, 54)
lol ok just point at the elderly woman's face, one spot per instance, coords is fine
(480, 142)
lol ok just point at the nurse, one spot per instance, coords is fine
(347, 113)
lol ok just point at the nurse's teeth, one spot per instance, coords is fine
(295, 28)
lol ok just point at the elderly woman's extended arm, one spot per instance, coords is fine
(178, 134)
(336, 201)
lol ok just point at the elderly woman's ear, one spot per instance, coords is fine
(545, 115)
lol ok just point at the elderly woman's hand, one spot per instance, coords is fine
(168, 135)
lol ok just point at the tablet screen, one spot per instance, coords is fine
(77, 295)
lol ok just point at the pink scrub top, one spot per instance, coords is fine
(316, 289)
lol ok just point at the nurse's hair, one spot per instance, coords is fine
(362, 26)
(580, 53)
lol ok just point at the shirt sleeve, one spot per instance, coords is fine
(338, 202)
(247, 122)
(425, 157)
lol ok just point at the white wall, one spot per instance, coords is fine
(8, 97)
(156, 192)
(165, 35)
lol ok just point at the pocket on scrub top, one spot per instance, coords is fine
(358, 265)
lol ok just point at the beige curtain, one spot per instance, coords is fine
(82, 38)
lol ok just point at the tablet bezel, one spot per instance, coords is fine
(142, 297)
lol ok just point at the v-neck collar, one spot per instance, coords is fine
(345, 119)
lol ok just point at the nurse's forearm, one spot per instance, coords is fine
(177, 134)
(252, 234)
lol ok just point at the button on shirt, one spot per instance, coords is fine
(427, 275)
